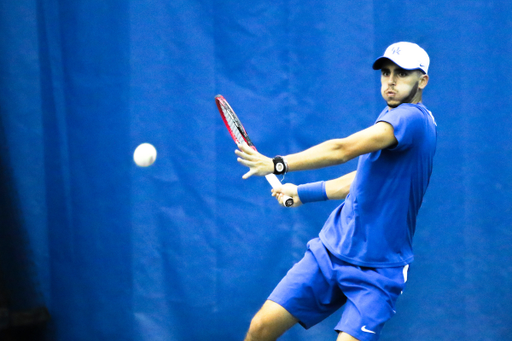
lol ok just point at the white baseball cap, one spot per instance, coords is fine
(408, 56)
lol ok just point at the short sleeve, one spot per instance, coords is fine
(407, 122)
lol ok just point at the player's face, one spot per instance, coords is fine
(401, 86)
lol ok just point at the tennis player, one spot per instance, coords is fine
(361, 257)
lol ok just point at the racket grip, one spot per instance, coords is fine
(274, 182)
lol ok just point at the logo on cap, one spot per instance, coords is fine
(396, 50)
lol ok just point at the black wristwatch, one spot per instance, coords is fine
(280, 166)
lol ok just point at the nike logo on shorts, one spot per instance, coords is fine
(363, 328)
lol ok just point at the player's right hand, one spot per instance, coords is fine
(258, 163)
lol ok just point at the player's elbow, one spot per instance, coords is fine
(342, 151)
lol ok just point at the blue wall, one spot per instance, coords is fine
(187, 250)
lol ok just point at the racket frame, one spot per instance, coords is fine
(239, 135)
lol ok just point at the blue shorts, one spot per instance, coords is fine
(320, 284)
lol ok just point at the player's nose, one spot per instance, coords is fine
(392, 78)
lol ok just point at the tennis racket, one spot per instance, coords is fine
(238, 133)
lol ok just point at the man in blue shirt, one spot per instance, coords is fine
(361, 257)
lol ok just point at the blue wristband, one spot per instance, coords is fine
(312, 192)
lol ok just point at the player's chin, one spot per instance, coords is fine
(393, 103)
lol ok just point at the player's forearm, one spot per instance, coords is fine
(329, 153)
(335, 189)
(339, 188)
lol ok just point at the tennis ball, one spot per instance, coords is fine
(144, 155)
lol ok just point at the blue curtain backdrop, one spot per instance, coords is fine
(186, 249)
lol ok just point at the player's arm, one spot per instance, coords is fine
(329, 153)
(339, 188)
(335, 189)
(338, 151)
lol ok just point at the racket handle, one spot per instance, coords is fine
(274, 182)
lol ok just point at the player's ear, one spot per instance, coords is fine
(423, 81)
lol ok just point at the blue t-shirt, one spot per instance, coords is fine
(374, 226)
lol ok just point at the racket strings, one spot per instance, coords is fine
(234, 126)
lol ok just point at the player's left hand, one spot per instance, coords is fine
(289, 190)
(258, 163)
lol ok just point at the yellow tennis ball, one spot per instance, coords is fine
(144, 155)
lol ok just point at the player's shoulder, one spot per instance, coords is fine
(407, 114)
(411, 107)
(414, 111)
(421, 111)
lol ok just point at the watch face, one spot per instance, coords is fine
(279, 167)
